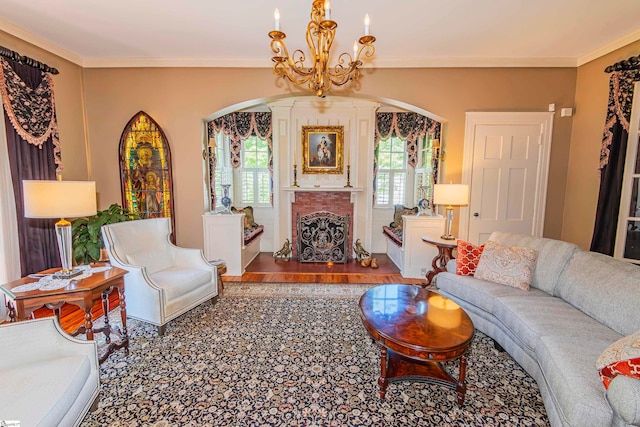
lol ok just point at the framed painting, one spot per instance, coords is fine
(322, 149)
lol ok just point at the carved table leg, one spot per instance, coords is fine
(88, 324)
(382, 380)
(461, 386)
(12, 311)
(105, 310)
(123, 317)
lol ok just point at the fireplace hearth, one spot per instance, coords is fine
(322, 237)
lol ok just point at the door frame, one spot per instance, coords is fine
(545, 121)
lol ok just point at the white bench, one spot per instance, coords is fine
(407, 250)
(224, 238)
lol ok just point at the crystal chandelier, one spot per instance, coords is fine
(321, 31)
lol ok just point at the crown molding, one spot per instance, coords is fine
(450, 62)
(616, 44)
(474, 62)
(177, 62)
(38, 41)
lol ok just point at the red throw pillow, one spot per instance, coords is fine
(628, 367)
(467, 258)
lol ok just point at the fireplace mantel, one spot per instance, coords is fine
(323, 189)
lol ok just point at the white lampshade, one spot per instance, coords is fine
(451, 194)
(59, 199)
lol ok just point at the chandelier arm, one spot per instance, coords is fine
(319, 76)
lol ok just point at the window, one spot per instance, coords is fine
(254, 176)
(392, 172)
(424, 171)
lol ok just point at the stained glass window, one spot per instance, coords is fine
(145, 169)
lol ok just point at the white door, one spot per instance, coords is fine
(506, 166)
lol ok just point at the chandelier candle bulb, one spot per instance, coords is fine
(327, 10)
(276, 16)
(366, 24)
(355, 50)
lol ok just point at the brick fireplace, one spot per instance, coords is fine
(307, 202)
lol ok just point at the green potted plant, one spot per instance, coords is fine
(86, 234)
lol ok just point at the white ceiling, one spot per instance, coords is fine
(410, 33)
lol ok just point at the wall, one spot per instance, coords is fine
(583, 179)
(69, 108)
(180, 98)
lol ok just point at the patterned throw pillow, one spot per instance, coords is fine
(398, 211)
(620, 358)
(507, 266)
(467, 258)
(249, 221)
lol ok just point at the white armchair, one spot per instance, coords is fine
(47, 377)
(164, 281)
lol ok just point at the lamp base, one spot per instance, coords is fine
(448, 237)
(66, 274)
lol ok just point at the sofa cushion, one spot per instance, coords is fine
(53, 384)
(567, 366)
(467, 258)
(552, 257)
(153, 261)
(528, 318)
(511, 266)
(605, 288)
(478, 292)
(179, 281)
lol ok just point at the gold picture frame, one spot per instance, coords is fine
(322, 149)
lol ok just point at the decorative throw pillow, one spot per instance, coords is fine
(398, 211)
(511, 266)
(467, 258)
(620, 358)
(249, 221)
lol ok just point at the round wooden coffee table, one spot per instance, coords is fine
(417, 330)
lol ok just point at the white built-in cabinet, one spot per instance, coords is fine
(414, 257)
(224, 239)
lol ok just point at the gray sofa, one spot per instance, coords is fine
(579, 303)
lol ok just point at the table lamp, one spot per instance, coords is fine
(60, 199)
(450, 195)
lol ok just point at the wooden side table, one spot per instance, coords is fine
(445, 253)
(82, 293)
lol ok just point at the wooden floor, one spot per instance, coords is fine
(269, 270)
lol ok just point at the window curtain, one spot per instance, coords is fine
(412, 127)
(239, 126)
(612, 158)
(33, 152)
(9, 244)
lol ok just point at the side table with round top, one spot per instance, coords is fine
(417, 330)
(445, 253)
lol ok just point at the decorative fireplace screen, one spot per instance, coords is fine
(322, 237)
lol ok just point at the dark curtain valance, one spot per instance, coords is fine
(621, 84)
(632, 63)
(33, 63)
(239, 126)
(409, 126)
(30, 108)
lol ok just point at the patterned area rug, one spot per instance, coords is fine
(293, 355)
